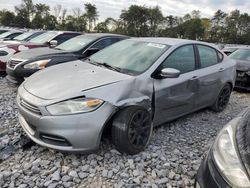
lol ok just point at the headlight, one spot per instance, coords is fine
(37, 64)
(74, 106)
(226, 156)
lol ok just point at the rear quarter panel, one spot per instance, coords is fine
(229, 75)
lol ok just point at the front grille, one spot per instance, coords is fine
(12, 63)
(30, 107)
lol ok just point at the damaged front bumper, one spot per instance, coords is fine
(73, 133)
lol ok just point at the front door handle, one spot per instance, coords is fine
(194, 78)
(221, 69)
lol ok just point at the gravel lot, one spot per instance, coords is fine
(171, 159)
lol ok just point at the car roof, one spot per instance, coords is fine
(35, 31)
(230, 48)
(244, 48)
(169, 41)
(236, 47)
(61, 32)
(17, 31)
(104, 35)
(4, 29)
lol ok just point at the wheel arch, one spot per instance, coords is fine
(231, 84)
(108, 124)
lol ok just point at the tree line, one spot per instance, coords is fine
(138, 21)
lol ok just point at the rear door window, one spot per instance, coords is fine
(13, 35)
(64, 37)
(103, 43)
(208, 56)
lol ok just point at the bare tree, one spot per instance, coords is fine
(57, 10)
(77, 12)
(64, 12)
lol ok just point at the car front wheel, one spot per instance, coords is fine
(131, 130)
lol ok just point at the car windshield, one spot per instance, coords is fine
(130, 56)
(23, 36)
(242, 54)
(6, 34)
(76, 43)
(43, 38)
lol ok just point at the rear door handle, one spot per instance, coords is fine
(194, 78)
(221, 69)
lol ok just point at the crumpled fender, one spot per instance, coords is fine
(125, 93)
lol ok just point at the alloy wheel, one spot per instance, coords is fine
(224, 98)
(139, 129)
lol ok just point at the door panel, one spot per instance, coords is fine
(209, 76)
(209, 86)
(175, 97)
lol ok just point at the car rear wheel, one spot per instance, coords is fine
(131, 130)
(223, 99)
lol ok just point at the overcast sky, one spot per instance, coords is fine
(112, 8)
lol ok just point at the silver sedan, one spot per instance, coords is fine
(125, 89)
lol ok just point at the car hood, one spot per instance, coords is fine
(242, 65)
(243, 137)
(71, 79)
(36, 52)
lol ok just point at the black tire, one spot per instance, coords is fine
(223, 99)
(131, 130)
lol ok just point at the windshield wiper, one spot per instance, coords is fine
(105, 65)
(92, 62)
(111, 67)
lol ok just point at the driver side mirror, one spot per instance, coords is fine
(169, 73)
(91, 51)
(53, 43)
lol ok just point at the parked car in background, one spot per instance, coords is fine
(227, 163)
(220, 45)
(25, 63)
(22, 38)
(3, 30)
(242, 58)
(54, 38)
(48, 39)
(230, 50)
(10, 35)
(27, 36)
(126, 89)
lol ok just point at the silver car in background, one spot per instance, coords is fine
(125, 89)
